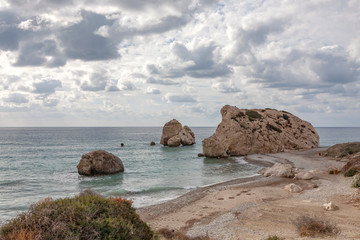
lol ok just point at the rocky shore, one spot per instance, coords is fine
(257, 207)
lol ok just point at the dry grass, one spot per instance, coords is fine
(23, 234)
(315, 227)
(176, 235)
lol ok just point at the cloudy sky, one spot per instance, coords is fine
(144, 62)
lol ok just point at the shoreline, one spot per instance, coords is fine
(259, 204)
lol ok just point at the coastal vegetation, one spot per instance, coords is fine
(177, 235)
(315, 227)
(87, 216)
(253, 115)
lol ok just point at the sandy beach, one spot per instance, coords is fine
(257, 207)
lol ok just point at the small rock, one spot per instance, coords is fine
(293, 188)
(201, 155)
(152, 144)
(280, 170)
(330, 206)
(303, 175)
(122, 145)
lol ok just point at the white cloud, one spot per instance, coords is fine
(185, 57)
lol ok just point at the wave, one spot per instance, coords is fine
(155, 190)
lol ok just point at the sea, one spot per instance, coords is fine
(36, 163)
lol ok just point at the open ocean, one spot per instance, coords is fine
(39, 162)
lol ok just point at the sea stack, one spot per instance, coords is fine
(250, 131)
(174, 134)
(99, 162)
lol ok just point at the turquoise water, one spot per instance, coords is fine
(39, 162)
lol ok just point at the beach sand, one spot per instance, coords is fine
(257, 207)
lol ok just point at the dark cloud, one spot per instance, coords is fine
(335, 67)
(46, 86)
(160, 81)
(17, 98)
(180, 98)
(80, 41)
(10, 35)
(202, 58)
(327, 70)
(44, 53)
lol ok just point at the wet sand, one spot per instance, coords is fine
(257, 207)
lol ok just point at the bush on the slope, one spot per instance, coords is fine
(87, 216)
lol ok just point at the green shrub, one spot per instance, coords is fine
(177, 235)
(253, 115)
(87, 216)
(356, 181)
(271, 127)
(315, 227)
(286, 117)
(274, 238)
(350, 172)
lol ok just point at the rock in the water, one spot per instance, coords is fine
(330, 206)
(214, 147)
(99, 162)
(242, 132)
(174, 134)
(303, 175)
(170, 129)
(152, 144)
(280, 170)
(175, 141)
(293, 188)
(187, 136)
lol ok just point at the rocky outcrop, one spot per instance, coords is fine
(342, 150)
(174, 134)
(242, 132)
(280, 170)
(347, 152)
(99, 162)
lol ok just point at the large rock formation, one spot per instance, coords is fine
(347, 152)
(174, 134)
(99, 162)
(244, 131)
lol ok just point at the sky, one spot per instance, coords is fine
(145, 62)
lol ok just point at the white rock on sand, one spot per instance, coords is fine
(330, 206)
(304, 175)
(293, 188)
(280, 170)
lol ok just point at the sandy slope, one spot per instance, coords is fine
(257, 207)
